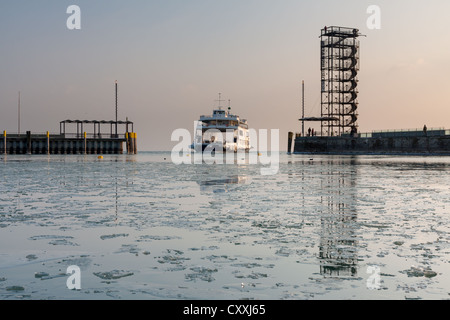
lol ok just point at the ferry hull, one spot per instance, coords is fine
(217, 148)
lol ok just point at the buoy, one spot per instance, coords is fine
(100, 157)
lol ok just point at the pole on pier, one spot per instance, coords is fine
(85, 143)
(18, 117)
(116, 109)
(303, 108)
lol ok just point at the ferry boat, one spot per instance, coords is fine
(221, 132)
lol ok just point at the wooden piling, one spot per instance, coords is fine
(4, 142)
(131, 142)
(128, 136)
(290, 139)
(28, 142)
(48, 142)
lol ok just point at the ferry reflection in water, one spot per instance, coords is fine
(338, 242)
(214, 184)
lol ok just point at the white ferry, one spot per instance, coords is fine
(221, 132)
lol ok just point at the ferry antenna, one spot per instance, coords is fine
(220, 100)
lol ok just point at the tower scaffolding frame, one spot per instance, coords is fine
(339, 65)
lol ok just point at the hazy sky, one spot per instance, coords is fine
(172, 58)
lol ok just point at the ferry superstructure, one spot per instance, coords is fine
(222, 132)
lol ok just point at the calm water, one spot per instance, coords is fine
(140, 227)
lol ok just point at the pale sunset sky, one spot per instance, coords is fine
(172, 57)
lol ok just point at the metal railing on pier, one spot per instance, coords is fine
(94, 136)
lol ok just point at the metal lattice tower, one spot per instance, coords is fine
(339, 70)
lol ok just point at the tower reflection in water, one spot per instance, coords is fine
(338, 241)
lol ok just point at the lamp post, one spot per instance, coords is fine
(18, 117)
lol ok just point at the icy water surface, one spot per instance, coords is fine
(140, 227)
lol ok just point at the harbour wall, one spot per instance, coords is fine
(405, 145)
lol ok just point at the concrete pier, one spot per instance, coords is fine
(396, 143)
(67, 143)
